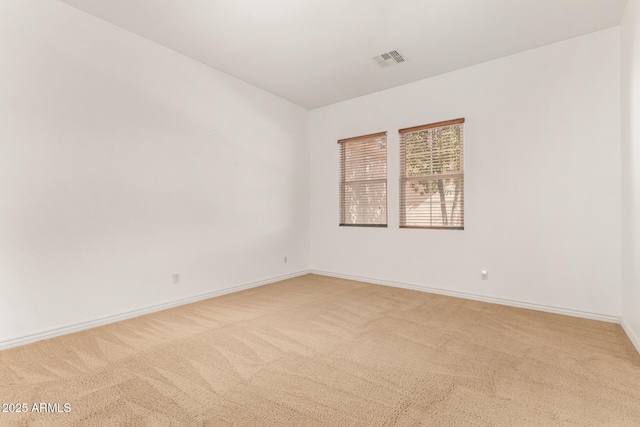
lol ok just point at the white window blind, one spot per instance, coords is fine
(432, 176)
(363, 180)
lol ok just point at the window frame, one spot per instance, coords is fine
(343, 182)
(402, 205)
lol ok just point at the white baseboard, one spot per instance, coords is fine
(633, 336)
(52, 333)
(475, 297)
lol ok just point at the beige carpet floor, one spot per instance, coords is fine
(316, 351)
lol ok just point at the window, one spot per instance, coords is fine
(363, 180)
(432, 176)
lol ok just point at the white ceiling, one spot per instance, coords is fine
(318, 52)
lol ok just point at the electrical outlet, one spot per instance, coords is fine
(176, 278)
(484, 275)
(285, 259)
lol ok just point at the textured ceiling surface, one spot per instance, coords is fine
(318, 52)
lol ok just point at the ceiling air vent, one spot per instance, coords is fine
(390, 58)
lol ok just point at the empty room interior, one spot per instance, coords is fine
(319, 213)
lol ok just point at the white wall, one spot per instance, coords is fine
(630, 32)
(122, 162)
(543, 198)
